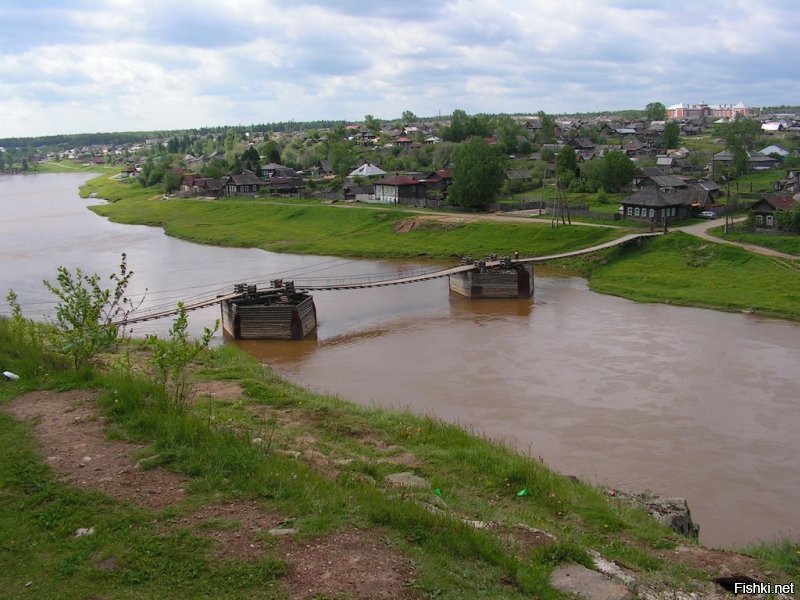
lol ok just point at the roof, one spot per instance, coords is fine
(245, 179)
(653, 197)
(778, 202)
(367, 170)
(774, 150)
(397, 180)
(708, 185)
(668, 181)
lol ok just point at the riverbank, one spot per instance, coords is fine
(259, 487)
(674, 270)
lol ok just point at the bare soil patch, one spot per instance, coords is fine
(349, 564)
(715, 562)
(237, 528)
(71, 437)
(221, 390)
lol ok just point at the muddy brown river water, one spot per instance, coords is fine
(683, 401)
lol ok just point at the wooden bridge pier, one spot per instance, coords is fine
(503, 279)
(278, 313)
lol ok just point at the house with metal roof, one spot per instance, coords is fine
(367, 171)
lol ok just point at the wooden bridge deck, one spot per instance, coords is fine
(438, 274)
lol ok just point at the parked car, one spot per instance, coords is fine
(707, 214)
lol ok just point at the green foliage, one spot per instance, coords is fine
(171, 357)
(782, 555)
(88, 317)
(566, 165)
(463, 126)
(739, 136)
(477, 175)
(26, 351)
(788, 220)
(655, 111)
(617, 171)
(671, 135)
(547, 133)
(251, 160)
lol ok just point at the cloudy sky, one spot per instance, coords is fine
(70, 66)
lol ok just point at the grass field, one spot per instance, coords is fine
(680, 269)
(335, 485)
(333, 229)
(788, 243)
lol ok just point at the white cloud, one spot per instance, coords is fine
(145, 64)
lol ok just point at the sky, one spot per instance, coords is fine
(75, 66)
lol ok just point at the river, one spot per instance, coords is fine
(688, 402)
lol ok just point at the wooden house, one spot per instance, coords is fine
(400, 189)
(242, 184)
(765, 211)
(655, 205)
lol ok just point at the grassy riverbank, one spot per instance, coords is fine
(677, 269)
(342, 230)
(681, 269)
(251, 452)
(787, 243)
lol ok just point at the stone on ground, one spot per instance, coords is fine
(588, 584)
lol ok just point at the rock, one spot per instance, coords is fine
(475, 524)
(434, 500)
(675, 514)
(282, 531)
(671, 512)
(82, 531)
(407, 479)
(307, 439)
(587, 584)
(317, 458)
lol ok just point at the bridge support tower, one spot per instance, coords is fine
(511, 280)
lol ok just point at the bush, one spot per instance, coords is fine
(89, 318)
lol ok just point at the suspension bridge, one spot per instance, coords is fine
(304, 286)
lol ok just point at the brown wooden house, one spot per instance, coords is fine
(242, 184)
(400, 189)
(652, 204)
(765, 211)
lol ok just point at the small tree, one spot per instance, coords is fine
(89, 318)
(655, 111)
(617, 172)
(171, 357)
(671, 135)
(477, 175)
(566, 164)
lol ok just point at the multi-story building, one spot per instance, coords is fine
(698, 111)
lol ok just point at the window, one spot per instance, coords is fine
(636, 211)
(759, 219)
(652, 213)
(630, 210)
(769, 220)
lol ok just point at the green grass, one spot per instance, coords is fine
(680, 269)
(212, 442)
(72, 166)
(787, 243)
(331, 229)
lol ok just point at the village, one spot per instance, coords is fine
(674, 167)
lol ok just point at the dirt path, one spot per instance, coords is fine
(701, 230)
(349, 563)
